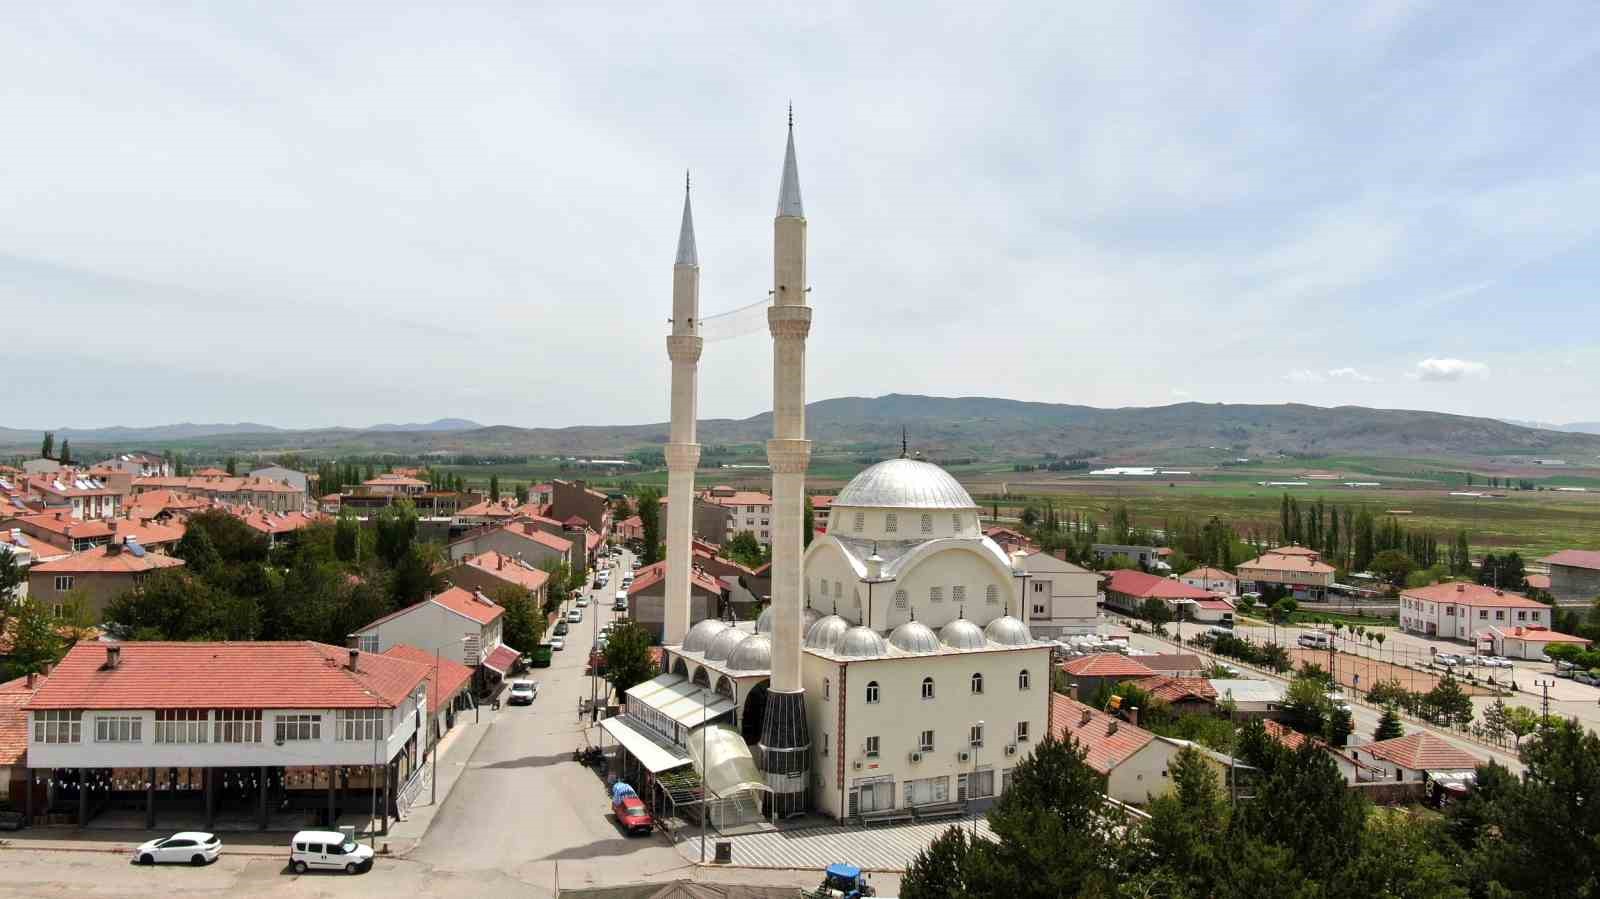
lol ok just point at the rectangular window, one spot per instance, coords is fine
(825, 744)
(236, 726)
(927, 791)
(369, 644)
(891, 523)
(58, 726)
(935, 594)
(1522, 615)
(927, 523)
(955, 523)
(872, 747)
(118, 729)
(977, 784)
(1022, 731)
(181, 725)
(1005, 780)
(1038, 609)
(861, 521)
(926, 741)
(1038, 586)
(298, 728)
(1499, 614)
(63, 583)
(1483, 614)
(975, 735)
(958, 593)
(360, 725)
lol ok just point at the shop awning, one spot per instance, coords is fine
(654, 754)
(675, 697)
(501, 659)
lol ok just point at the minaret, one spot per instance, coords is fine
(682, 452)
(785, 739)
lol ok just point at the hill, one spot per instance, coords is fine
(941, 427)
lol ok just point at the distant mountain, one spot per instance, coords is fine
(442, 424)
(121, 434)
(1576, 427)
(941, 427)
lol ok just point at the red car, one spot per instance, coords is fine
(631, 814)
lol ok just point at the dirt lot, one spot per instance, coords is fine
(1370, 671)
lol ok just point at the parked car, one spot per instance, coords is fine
(631, 814)
(328, 850)
(575, 616)
(523, 692)
(1586, 677)
(1315, 640)
(1501, 662)
(583, 602)
(191, 847)
(558, 643)
(561, 628)
(1447, 659)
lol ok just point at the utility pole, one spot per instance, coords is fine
(1544, 684)
(433, 742)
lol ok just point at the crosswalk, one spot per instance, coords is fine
(884, 848)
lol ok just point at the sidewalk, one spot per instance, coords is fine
(456, 749)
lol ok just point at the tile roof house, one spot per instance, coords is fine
(1091, 672)
(95, 576)
(1529, 642)
(1463, 611)
(1127, 590)
(1296, 569)
(449, 694)
(1353, 769)
(457, 623)
(1133, 761)
(647, 597)
(1185, 695)
(1214, 580)
(1410, 757)
(1574, 574)
(526, 540)
(488, 570)
(15, 694)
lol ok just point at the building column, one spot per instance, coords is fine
(261, 812)
(27, 797)
(333, 820)
(388, 781)
(209, 778)
(83, 797)
(150, 799)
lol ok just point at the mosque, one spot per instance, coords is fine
(894, 669)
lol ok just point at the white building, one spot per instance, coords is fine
(163, 724)
(922, 687)
(1212, 580)
(458, 624)
(1059, 597)
(1462, 611)
(750, 511)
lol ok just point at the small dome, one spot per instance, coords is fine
(914, 636)
(1008, 630)
(754, 653)
(904, 484)
(962, 634)
(808, 617)
(861, 643)
(701, 635)
(721, 646)
(826, 632)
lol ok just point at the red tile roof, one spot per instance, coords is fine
(650, 575)
(1421, 751)
(14, 721)
(1107, 664)
(1575, 558)
(1475, 595)
(40, 547)
(1540, 635)
(590, 540)
(476, 606)
(502, 659)
(1177, 689)
(488, 509)
(1137, 583)
(288, 675)
(1538, 581)
(273, 522)
(453, 676)
(100, 561)
(508, 569)
(1210, 574)
(1287, 558)
(1107, 742)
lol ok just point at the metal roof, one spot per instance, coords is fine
(904, 484)
(675, 697)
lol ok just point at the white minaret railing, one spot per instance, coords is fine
(682, 452)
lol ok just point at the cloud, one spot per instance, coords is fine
(1304, 376)
(1350, 374)
(1181, 394)
(1448, 370)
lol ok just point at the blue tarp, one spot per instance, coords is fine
(849, 872)
(621, 789)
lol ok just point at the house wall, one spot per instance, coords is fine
(648, 609)
(329, 750)
(431, 627)
(96, 589)
(471, 577)
(1458, 621)
(901, 714)
(511, 544)
(1143, 775)
(1571, 582)
(1059, 600)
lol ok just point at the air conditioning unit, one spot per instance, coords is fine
(856, 764)
(963, 756)
(1011, 749)
(916, 756)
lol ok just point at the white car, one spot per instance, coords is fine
(583, 602)
(575, 616)
(558, 643)
(523, 692)
(190, 847)
(327, 849)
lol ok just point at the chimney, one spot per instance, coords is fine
(113, 657)
(1133, 716)
(1072, 690)
(32, 679)
(1086, 715)
(1111, 728)
(113, 548)
(355, 659)
(1461, 588)
(499, 562)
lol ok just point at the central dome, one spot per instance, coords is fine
(904, 484)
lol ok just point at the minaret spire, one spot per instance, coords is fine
(682, 452)
(686, 250)
(789, 185)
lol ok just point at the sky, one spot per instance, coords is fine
(347, 213)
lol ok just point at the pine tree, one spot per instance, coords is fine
(233, 466)
(66, 452)
(1389, 725)
(808, 523)
(48, 446)
(494, 488)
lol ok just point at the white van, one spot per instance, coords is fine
(329, 850)
(1316, 640)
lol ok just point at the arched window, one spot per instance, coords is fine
(927, 688)
(977, 682)
(872, 692)
(1024, 680)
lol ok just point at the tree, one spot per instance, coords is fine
(1155, 611)
(347, 538)
(1306, 704)
(628, 658)
(232, 466)
(808, 523)
(494, 488)
(940, 870)
(1389, 725)
(415, 577)
(1178, 843)
(1393, 565)
(523, 625)
(35, 644)
(650, 519)
(1496, 720)
(12, 577)
(176, 604)
(745, 549)
(48, 447)
(197, 551)
(396, 531)
(66, 453)
(1449, 703)
(521, 493)
(1404, 854)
